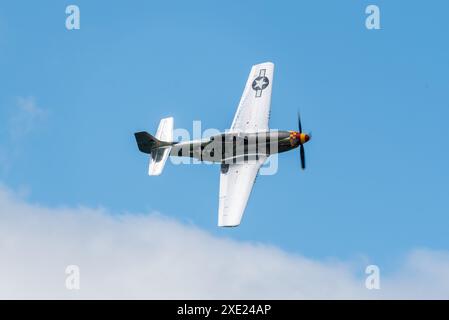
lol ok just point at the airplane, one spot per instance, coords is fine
(241, 151)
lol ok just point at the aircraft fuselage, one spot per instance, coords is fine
(237, 146)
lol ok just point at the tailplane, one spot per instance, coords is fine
(159, 147)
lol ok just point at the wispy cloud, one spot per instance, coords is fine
(151, 256)
(24, 116)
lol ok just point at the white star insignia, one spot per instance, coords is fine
(260, 83)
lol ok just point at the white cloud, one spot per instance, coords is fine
(151, 256)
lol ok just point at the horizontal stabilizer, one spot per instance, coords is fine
(157, 162)
(161, 148)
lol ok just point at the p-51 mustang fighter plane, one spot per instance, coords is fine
(241, 151)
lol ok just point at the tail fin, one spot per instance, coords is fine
(165, 130)
(159, 147)
(146, 142)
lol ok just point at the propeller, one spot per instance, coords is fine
(303, 157)
(299, 123)
(302, 139)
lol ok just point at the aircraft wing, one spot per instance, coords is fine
(236, 183)
(253, 111)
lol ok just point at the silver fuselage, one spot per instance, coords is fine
(235, 146)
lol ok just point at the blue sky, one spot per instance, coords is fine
(377, 103)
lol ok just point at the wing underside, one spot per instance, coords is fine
(236, 183)
(253, 112)
(252, 115)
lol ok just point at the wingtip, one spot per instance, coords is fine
(228, 225)
(267, 63)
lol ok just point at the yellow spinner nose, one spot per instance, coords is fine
(298, 138)
(303, 137)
